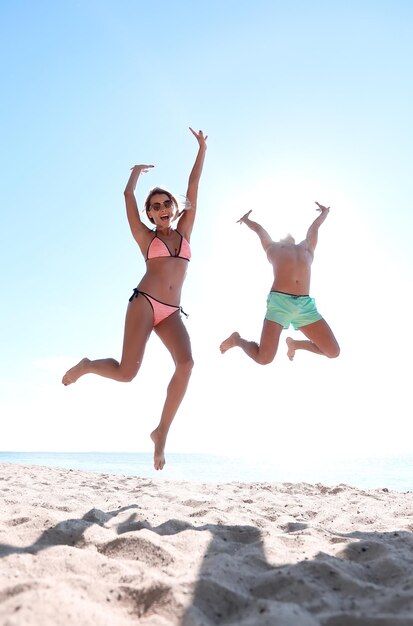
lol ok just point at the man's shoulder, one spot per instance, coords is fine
(273, 246)
(306, 248)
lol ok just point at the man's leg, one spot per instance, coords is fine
(262, 352)
(321, 340)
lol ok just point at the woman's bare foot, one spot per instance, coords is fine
(76, 372)
(291, 348)
(230, 342)
(159, 453)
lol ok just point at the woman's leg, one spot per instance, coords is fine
(321, 340)
(138, 327)
(174, 336)
(263, 352)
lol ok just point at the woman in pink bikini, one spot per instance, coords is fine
(155, 302)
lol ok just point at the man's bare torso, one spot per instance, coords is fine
(292, 266)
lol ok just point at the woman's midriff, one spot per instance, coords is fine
(163, 279)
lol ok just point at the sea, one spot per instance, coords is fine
(393, 473)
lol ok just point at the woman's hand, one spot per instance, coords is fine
(200, 138)
(141, 169)
(136, 171)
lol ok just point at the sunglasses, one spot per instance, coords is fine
(157, 205)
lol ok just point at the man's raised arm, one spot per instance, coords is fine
(312, 233)
(265, 238)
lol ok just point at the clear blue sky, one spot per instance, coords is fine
(302, 101)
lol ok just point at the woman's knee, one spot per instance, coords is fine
(127, 374)
(185, 367)
(126, 377)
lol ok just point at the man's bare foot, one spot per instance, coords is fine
(159, 453)
(75, 372)
(230, 342)
(291, 348)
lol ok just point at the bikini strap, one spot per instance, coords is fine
(135, 294)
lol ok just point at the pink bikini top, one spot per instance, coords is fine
(158, 248)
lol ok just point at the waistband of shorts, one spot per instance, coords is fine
(293, 295)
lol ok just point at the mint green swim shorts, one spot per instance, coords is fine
(286, 309)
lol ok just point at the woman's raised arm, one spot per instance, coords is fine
(136, 225)
(186, 221)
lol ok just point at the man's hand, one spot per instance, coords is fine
(323, 209)
(244, 218)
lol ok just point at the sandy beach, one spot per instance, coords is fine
(88, 549)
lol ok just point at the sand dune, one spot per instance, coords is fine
(80, 548)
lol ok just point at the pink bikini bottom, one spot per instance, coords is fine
(161, 310)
